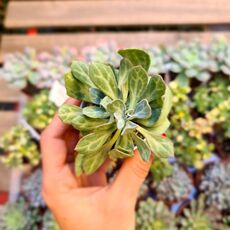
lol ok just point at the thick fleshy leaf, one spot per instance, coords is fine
(80, 71)
(161, 146)
(129, 126)
(120, 119)
(106, 126)
(136, 57)
(159, 127)
(96, 95)
(103, 77)
(78, 164)
(155, 88)
(93, 141)
(95, 112)
(115, 154)
(125, 66)
(142, 147)
(105, 101)
(125, 143)
(68, 112)
(84, 123)
(142, 110)
(137, 80)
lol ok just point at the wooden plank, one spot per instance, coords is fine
(12, 43)
(8, 94)
(7, 120)
(26, 14)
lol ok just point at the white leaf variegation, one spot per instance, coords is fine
(123, 108)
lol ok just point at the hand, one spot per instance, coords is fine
(87, 202)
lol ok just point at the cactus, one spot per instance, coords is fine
(48, 222)
(42, 107)
(19, 148)
(175, 187)
(31, 189)
(153, 215)
(216, 186)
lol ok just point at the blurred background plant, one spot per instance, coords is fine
(49, 222)
(42, 107)
(18, 148)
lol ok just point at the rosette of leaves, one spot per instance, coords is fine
(208, 97)
(196, 217)
(191, 60)
(49, 222)
(18, 148)
(104, 52)
(18, 216)
(154, 215)
(31, 189)
(125, 108)
(42, 107)
(175, 187)
(215, 185)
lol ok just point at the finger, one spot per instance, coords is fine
(53, 145)
(131, 176)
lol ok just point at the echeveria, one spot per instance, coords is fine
(124, 108)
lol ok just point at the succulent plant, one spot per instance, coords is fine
(215, 185)
(18, 216)
(42, 107)
(49, 223)
(31, 189)
(196, 217)
(154, 215)
(124, 108)
(104, 52)
(38, 69)
(19, 148)
(175, 187)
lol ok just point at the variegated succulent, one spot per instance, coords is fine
(124, 108)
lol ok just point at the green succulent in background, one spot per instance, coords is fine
(175, 187)
(19, 148)
(42, 107)
(105, 53)
(215, 185)
(31, 189)
(208, 97)
(48, 222)
(124, 108)
(190, 60)
(160, 169)
(18, 216)
(144, 190)
(154, 215)
(191, 147)
(38, 69)
(196, 217)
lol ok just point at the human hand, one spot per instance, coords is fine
(87, 202)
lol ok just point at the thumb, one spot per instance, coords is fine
(131, 176)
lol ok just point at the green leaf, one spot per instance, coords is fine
(142, 147)
(116, 106)
(161, 147)
(125, 66)
(137, 80)
(68, 112)
(80, 71)
(136, 57)
(129, 126)
(95, 112)
(106, 126)
(84, 123)
(103, 77)
(115, 154)
(159, 127)
(142, 110)
(96, 95)
(155, 88)
(105, 101)
(93, 141)
(120, 119)
(125, 143)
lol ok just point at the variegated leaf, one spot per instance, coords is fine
(103, 77)
(96, 95)
(115, 154)
(142, 147)
(78, 164)
(142, 110)
(120, 119)
(136, 57)
(80, 71)
(95, 112)
(84, 123)
(106, 126)
(125, 143)
(105, 101)
(155, 88)
(93, 141)
(68, 112)
(129, 126)
(116, 106)
(137, 80)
